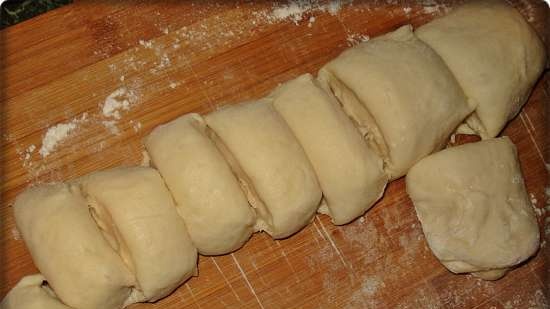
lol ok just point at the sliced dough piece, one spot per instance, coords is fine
(273, 160)
(494, 54)
(31, 292)
(474, 208)
(350, 174)
(400, 92)
(207, 194)
(134, 209)
(69, 249)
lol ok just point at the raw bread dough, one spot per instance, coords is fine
(207, 194)
(474, 208)
(136, 213)
(69, 249)
(401, 93)
(494, 54)
(31, 292)
(350, 174)
(275, 163)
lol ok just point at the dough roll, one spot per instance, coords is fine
(275, 163)
(207, 193)
(136, 213)
(401, 94)
(494, 54)
(69, 249)
(31, 293)
(474, 208)
(349, 173)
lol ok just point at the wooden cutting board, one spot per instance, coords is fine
(169, 58)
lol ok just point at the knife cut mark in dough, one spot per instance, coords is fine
(136, 212)
(495, 55)
(274, 161)
(349, 172)
(264, 220)
(69, 249)
(207, 193)
(360, 116)
(412, 102)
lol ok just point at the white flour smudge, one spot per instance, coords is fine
(118, 100)
(296, 10)
(371, 285)
(146, 44)
(111, 126)
(55, 136)
(122, 99)
(356, 38)
(435, 8)
(145, 159)
(15, 234)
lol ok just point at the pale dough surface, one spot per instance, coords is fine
(207, 193)
(402, 93)
(350, 174)
(494, 54)
(30, 293)
(136, 213)
(269, 154)
(474, 208)
(69, 249)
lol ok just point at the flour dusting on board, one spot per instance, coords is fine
(119, 100)
(356, 38)
(55, 135)
(15, 234)
(433, 7)
(298, 10)
(295, 10)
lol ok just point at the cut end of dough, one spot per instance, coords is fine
(359, 115)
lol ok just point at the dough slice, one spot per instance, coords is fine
(401, 93)
(495, 56)
(137, 215)
(474, 208)
(207, 193)
(69, 249)
(349, 173)
(31, 292)
(275, 163)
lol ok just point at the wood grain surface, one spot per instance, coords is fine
(177, 57)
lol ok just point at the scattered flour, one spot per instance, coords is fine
(371, 285)
(533, 199)
(174, 84)
(356, 38)
(136, 125)
(146, 44)
(311, 21)
(111, 125)
(29, 151)
(120, 99)
(15, 234)
(55, 135)
(145, 159)
(435, 8)
(295, 10)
